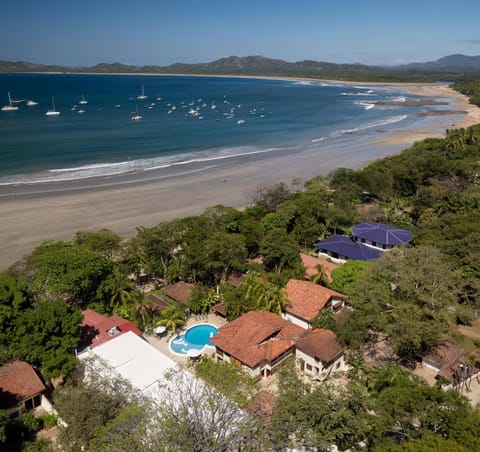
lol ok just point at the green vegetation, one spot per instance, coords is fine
(42, 332)
(470, 87)
(226, 378)
(410, 295)
(381, 408)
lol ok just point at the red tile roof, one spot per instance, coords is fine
(445, 353)
(320, 343)
(257, 337)
(95, 328)
(451, 359)
(310, 263)
(307, 298)
(157, 303)
(179, 291)
(18, 382)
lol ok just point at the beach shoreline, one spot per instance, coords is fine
(56, 211)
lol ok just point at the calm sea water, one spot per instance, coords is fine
(184, 119)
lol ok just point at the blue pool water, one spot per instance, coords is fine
(195, 338)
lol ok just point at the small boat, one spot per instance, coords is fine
(31, 103)
(9, 107)
(52, 112)
(81, 111)
(142, 96)
(240, 121)
(82, 101)
(136, 116)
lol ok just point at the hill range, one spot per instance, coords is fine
(452, 67)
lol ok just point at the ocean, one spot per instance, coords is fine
(183, 119)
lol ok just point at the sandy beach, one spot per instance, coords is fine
(30, 214)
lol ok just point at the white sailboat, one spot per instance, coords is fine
(9, 107)
(136, 116)
(82, 101)
(52, 112)
(142, 96)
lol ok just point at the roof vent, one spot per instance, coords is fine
(113, 331)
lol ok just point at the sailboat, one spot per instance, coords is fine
(9, 107)
(52, 112)
(82, 101)
(142, 96)
(136, 116)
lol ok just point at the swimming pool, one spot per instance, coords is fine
(195, 338)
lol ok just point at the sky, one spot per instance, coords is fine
(162, 32)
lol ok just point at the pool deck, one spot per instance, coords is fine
(161, 343)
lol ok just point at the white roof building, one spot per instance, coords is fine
(135, 360)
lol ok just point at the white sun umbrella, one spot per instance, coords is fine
(160, 329)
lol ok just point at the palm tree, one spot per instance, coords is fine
(119, 289)
(320, 277)
(265, 295)
(172, 318)
(138, 305)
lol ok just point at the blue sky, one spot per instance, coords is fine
(86, 32)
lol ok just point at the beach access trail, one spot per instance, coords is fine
(57, 211)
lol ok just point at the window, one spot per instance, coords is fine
(309, 367)
(337, 366)
(29, 404)
(37, 400)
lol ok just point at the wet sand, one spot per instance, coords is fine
(470, 115)
(30, 214)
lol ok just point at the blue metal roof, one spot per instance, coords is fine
(382, 233)
(345, 246)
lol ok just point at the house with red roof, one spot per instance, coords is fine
(307, 299)
(312, 265)
(260, 342)
(319, 353)
(257, 341)
(452, 363)
(21, 388)
(97, 328)
(179, 292)
(156, 303)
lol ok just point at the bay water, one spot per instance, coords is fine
(183, 119)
